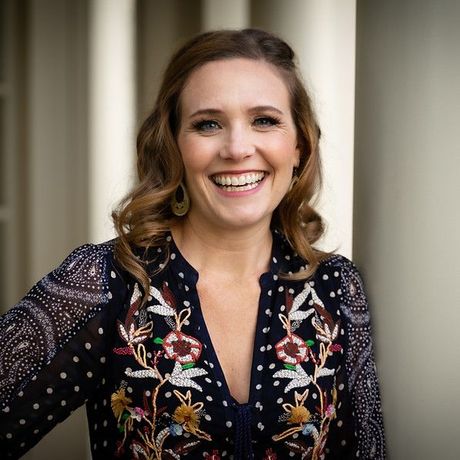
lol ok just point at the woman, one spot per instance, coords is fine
(210, 327)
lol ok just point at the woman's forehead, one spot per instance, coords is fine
(234, 81)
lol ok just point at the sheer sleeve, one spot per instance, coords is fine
(53, 346)
(358, 429)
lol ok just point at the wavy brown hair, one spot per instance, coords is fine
(144, 217)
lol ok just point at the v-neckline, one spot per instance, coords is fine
(183, 267)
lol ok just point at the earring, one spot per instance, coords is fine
(180, 203)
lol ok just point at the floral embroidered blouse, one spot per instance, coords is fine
(151, 380)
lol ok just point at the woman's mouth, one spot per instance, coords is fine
(238, 182)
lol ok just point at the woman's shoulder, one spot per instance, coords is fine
(338, 262)
(343, 269)
(292, 262)
(97, 251)
(91, 265)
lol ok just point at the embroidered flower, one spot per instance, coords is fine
(119, 402)
(299, 414)
(137, 413)
(327, 329)
(133, 336)
(308, 429)
(291, 349)
(188, 415)
(175, 429)
(181, 377)
(298, 377)
(213, 456)
(335, 347)
(181, 347)
(330, 411)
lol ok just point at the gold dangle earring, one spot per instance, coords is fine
(180, 203)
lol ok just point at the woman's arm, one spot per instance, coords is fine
(357, 431)
(53, 346)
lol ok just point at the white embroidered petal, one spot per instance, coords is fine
(297, 383)
(325, 372)
(142, 374)
(182, 378)
(136, 294)
(194, 372)
(122, 331)
(300, 315)
(180, 381)
(316, 299)
(323, 339)
(156, 294)
(161, 436)
(335, 332)
(139, 339)
(132, 330)
(300, 298)
(285, 374)
(163, 310)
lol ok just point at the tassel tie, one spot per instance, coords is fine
(243, 438)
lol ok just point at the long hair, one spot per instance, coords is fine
(144, 217)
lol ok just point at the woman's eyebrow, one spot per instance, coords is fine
(206, 112)
(258, 108)
(266, 108)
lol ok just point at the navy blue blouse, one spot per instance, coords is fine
(151, 380)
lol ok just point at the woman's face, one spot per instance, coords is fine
(238, 143)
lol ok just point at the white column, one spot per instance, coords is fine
(322, 33)
(224, 14)
(112, 110)
(407, 216)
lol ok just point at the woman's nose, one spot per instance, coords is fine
(238, 144)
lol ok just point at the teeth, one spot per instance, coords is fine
(239, 188)
(237, 182)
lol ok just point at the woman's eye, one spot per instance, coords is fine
(265, 122)
(206, 125)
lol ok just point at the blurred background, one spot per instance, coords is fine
(77, 77)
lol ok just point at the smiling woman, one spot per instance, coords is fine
(211, 327)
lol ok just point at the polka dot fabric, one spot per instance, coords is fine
(46, 370)
(150, 377)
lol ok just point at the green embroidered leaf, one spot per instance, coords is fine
(125, 415)
(158, 340)
(310, 343)
(290, 367)
(187, 366)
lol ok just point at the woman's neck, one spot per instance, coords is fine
(233, 253)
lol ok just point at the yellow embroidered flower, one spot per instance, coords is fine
(119, 402)
(299, 414)
(186, 415)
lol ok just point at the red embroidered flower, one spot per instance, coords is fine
(214, 456)
(291, 349)
(181, 347)
(335, 347)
